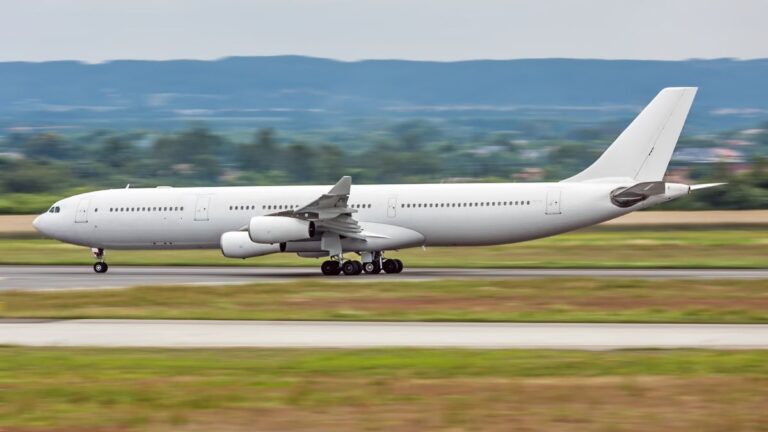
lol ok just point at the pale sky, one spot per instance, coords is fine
(99, 30)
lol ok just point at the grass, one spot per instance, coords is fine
(47, 389)
(534, 300)
(30, 203)
(700, 248)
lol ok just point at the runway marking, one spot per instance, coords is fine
(321, 334)
(82, 277)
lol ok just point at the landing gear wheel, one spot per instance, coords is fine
(399, 265)
(100, 267)
(330, 268)
(352, 268)
(372, 268)
(390, 266)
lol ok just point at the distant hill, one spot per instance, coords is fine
(302, 92)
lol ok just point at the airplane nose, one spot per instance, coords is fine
(38, 223)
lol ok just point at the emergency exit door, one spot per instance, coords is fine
(553, 202)
(392, 207)
(81, 215)
(201, 208)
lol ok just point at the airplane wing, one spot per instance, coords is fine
(330, 212)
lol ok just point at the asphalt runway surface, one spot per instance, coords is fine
(298, 334)
(77, 277)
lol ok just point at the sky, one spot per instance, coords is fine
(442, 30)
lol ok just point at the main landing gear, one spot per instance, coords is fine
(99, 266)
(335, 267)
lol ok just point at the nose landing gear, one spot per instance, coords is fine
(100, 266)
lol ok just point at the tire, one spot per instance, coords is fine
(399, 265)
(351, 268)
(372, 268)
(100, 267)
(330, 268)
(390, 266)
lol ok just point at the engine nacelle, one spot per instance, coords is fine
(279, 229)
(237, 244)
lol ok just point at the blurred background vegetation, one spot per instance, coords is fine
(68, 127)
(37, 167)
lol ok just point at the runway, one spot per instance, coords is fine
(287, 334)
(75, 277)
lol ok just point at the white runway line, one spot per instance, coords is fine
(76, 277)
(289, 334)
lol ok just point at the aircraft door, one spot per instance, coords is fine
(553, 202)
(201, 207)
(81, 215)
(392, 207)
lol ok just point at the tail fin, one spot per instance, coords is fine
(642, 152)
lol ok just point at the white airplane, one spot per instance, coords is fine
(368, 220)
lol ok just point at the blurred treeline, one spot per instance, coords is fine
(38, 167)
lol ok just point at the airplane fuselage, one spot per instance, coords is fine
(445, 214)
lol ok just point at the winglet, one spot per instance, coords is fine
(342, 187)
(705, 186)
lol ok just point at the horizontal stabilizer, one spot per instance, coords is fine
(632, 195)
(706, 186)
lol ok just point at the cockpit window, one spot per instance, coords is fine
(54, 209)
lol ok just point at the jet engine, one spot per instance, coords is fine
(237, 244)
(279, 229)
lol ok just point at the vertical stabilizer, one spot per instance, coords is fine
(642, 152)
